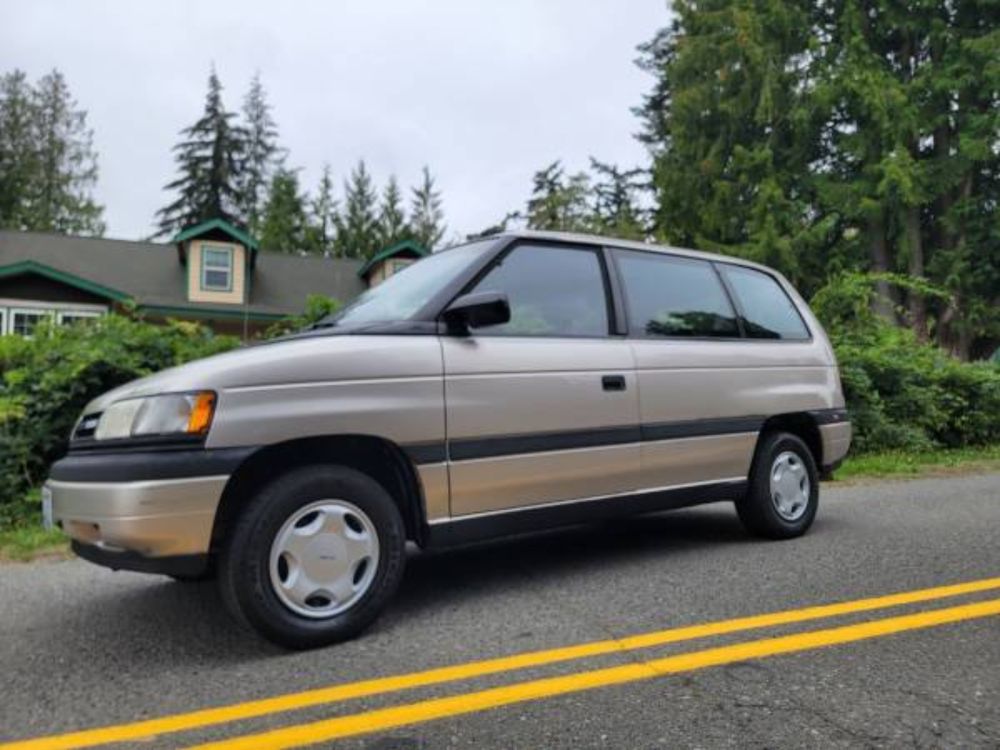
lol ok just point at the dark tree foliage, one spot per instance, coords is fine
(48, 167)
(210, 161)
(392, 225)
(262, 156)
(284, 225)
(357, 225)
(820, 135)
(426, 213)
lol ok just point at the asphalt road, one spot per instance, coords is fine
(81, 647)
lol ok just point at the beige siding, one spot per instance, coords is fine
(197, 294)
(383, 270)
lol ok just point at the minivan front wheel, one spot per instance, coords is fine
(783, 492)
(314, 557)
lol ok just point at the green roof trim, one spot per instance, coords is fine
(33, 266)
(178, 311)
(391, 251)
(223, 226)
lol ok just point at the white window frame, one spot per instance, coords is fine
(26, 311)
(8, 306)
(74, 313)
(228, 268)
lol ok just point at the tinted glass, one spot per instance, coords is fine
(767, 310)
(553, 291)
(672, 296)
(404, 293)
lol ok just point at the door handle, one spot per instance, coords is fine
(613, 382)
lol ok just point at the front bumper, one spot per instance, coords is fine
(155, 518)
(141, 511)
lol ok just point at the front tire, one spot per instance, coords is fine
(783, 493)
(314, 557)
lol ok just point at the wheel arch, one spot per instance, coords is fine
(801, 424)
(379, 458)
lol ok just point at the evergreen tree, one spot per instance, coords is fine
(48, 167)
(821, 134)
(357, 225)
(426, 214)
(284, 223)
(392, 226)
(559, 203)
(321, 229)
(728, 121)
(617, 209)
(210, 159)
(262, 153)
(18, 155)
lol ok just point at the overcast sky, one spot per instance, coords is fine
(485, 93)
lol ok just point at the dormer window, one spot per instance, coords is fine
(216, 268)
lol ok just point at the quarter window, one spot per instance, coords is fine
(217, 268)
(672, 296)
(767, 311)
(553, 291)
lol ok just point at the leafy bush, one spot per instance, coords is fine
(902, 393)
(46, 381)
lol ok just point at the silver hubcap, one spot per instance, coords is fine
(789, 486)
(324, 558)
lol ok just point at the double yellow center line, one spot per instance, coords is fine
(427, 710)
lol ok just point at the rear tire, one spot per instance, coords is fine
(783, 492)
(314, 557)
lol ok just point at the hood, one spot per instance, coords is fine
(284, 362)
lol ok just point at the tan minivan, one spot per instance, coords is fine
(516, 383)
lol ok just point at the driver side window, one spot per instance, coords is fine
(553, 291)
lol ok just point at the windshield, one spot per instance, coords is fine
(404, 293)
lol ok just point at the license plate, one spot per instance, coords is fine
(47, 508)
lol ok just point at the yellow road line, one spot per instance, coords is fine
(319, 696)
(439, 708)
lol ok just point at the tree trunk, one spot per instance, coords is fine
(915, 243)
(885, 300)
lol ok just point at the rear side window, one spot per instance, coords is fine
(553, 291)
(768, 313)
(671, 296)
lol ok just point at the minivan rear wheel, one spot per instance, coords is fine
(314, 557)
(783, 492)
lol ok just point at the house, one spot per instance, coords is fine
(213, 273)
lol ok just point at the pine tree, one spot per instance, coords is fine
(48, 167)
(322, 223)
(19, 166)
(283, 226)
(729, 126)
(617, 209)
(426, 214)
(392, 226)
(262, 153)
(210, 159)
(357, 226)
(559, 203)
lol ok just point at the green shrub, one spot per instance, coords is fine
(46, 381)
(902, 393)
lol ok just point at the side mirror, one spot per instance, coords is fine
(477, 310)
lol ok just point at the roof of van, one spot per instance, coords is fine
(578, 238)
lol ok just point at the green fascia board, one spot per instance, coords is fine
(180, 311)
(33, 266)
(223, 226)
(389, 252)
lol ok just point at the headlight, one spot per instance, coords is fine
(171, 414)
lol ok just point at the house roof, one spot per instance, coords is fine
(218, 225)
(150, 274)
(409, 248)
